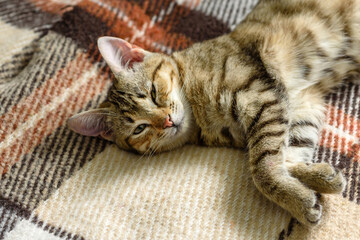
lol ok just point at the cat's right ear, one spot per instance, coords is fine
(119, 54)
(92, 123)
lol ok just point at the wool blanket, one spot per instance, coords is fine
(56, 184)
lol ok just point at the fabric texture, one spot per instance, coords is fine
(56, 184)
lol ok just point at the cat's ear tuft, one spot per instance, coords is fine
(91, 123)
(119, 54)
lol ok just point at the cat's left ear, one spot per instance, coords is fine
(92, 123)
(119, 54)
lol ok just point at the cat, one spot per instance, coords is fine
(260, 88)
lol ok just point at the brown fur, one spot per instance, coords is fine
(261, 87)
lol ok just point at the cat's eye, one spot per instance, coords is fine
(140, 128)
(153, 94)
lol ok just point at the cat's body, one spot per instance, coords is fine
(260, 87)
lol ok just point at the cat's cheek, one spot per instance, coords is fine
(141, 145)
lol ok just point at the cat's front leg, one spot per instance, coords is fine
(266, 122)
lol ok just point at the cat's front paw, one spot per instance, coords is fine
(308, 211)
(330, 180)
(313, 214)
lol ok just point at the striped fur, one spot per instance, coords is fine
(261, 86)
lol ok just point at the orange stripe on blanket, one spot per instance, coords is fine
(342, 144)
(54, 7)
(53, 117)
(345, 122)
(53, 87)
(134, 24)
(347, 126)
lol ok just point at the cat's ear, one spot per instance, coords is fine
(91, 123)
(119, 54)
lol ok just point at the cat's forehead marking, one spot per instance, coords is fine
(159, 65)
(124, 100)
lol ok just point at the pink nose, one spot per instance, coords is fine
(168, 122)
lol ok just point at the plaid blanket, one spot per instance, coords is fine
(56, 184)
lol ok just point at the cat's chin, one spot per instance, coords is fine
(178, 135)
(178, 127)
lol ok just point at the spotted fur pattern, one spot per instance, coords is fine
(259, 88)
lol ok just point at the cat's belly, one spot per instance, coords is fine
(222, 137)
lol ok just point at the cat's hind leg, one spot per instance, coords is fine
(307, 115)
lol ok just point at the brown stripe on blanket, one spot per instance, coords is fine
(130, 20)
(38, 174)
(347, 164)
(81, 26)
(79, 18)
(10, 213)
(57, 231)
(207, 27)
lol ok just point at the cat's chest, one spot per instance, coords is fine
(215, 129)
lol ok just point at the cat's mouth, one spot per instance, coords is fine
(178, 126)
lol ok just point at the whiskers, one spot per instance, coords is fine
(155, 145)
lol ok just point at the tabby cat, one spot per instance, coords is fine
(260, 88)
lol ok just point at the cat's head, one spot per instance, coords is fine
(145, 110)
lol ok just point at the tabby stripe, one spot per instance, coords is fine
(172, 76)
(302, 63)
(311, 37)
(227, 134)
(347, 58)
(265, 154)
(234, 110)
(129, 119)
(307, 70)
(129, 145)
(267, 134)
(299, 142)
(279, 120)
(303, 124)
(223, 69)
(180, 69)
(140, 95)
(306, 7)
(258, 115)
(267, 89)
(157, 69)
(200, 138)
